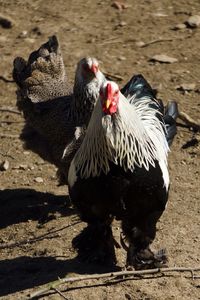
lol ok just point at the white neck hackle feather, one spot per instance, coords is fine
(133, 136)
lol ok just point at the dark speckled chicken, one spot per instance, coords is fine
(56, 115)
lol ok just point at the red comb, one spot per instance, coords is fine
(109, 91)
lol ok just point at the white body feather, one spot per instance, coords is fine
(134, 137)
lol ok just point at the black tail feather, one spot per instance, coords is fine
(140, 88)
(170, 116)
(51, 46)
(22, 68)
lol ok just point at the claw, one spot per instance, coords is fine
(123, 241)
(96, 244)
(146, 259)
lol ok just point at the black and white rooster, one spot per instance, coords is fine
(120, 170)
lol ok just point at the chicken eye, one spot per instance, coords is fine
(116, 93)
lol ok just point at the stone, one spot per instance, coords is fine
(179, 26)
(4, 166)
(23, 34)
(193, 21)
(6, 22)
(23, 167)
(26, 152)
(122, 24)
(186, 87)
(38, 179)
(162, 58)
(140, 44)
(160, 14)
(120, 5)
(121, 58)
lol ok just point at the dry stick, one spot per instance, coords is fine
(29, 241)
(6, 80)
(58, 282)
(157, 41)
(5, 135)
(188, 120)
(114, 76)
(109, 42)
(10, 109)
(114, 39)
(38, 238)
(60, 293)
(6, 155)
(11, 122)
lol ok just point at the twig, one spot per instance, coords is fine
(12, 136)
(113, 76)
(11, 122)
(60, 293)
(10, 109)
(156, 41)
(53, 284)
(114, 39)
(7, 155)
(109, 42)
(189, 121)
(29, 241)
(6, 80)
(36, 239)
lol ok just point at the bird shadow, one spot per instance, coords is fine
(26, 272)
(33, 141)
(21, 205)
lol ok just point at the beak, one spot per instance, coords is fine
(107, 103)
(94, 69)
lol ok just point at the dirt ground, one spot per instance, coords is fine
(37, 224)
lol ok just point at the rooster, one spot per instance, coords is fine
(120, 171)
(55, 114)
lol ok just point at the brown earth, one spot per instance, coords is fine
(37, 224)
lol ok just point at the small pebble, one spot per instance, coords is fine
(179, 26)
(122, 58)
(3, 39)
(193, 21)
(140, 44)
(26, 152)
(6, 22)
(23, 34)
(122, 24)
(186, 87)
(39, 162)
(120, 5)
(38, 179)
(159, 14)
(23, 167)
(36, 30)
(162, 58)
(4, 165)
(158, 86)
(31, 41)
